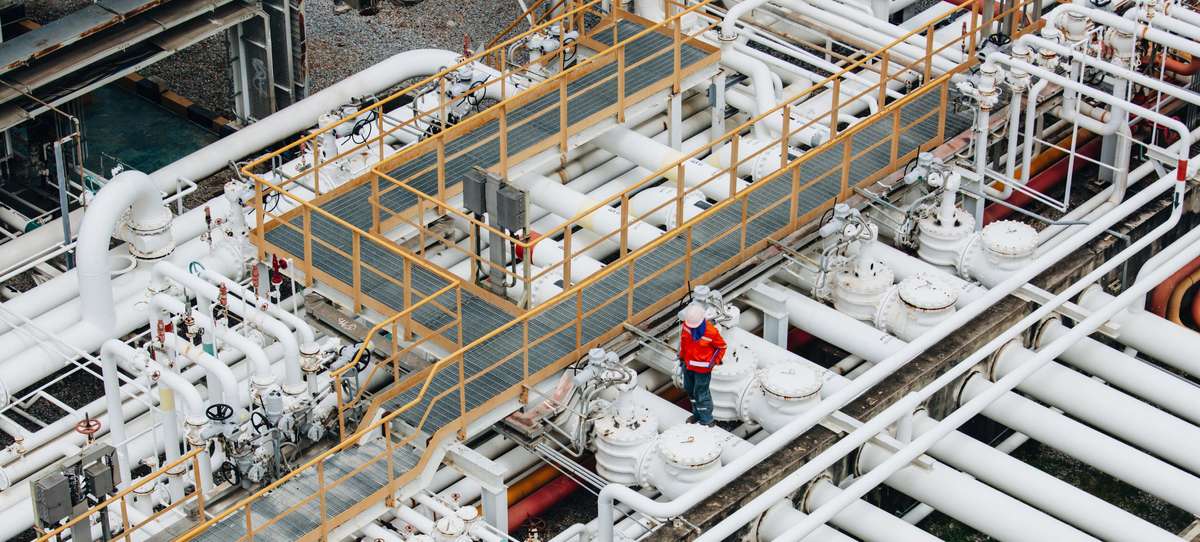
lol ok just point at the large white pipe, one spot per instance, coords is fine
(777, 520)
(760, 77)
(1063, 500)
(654, 156)
(129, 190)
(1103, 407)
(970, 501)
(1101, 451)
(1130, 374)
(862, 519)
(1150, 334)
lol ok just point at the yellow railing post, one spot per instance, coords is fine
(783, 139)
(566, 263)
(308, 248)
(836, 98)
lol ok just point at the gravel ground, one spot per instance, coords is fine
(339, 45)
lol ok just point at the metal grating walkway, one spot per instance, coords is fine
(481, 317)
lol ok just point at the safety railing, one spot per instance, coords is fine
(893, 65)
(404, 345)
(375, 125)
(120, 501)
(463, 385)
(392, 280)
(545, 115)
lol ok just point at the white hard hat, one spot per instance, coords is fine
(692, 315)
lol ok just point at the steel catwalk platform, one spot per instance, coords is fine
(481, 316)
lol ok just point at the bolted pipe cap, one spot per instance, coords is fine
(789, 381)
(1010, 238)
(925, 293)
(689, 446)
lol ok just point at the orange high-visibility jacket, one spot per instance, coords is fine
(704, 354)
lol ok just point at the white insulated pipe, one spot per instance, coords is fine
(861, 519)
(777, 520)
(1045, 492)
(1150, 334)
(1077, 440)
(1155, 385)
(304, 331)
(128, 190)
(654, 156)
(970, 501)
(162, 304)
(1103, 407)
(222, 384)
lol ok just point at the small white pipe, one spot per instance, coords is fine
(303, 329)
(293, 383)
(223, 385)
(112, 395)
(261, 366)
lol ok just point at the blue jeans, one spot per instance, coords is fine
(696, 386)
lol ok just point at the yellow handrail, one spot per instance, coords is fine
(127, 528)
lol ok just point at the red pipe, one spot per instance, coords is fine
(538, 502)
(1160, 296)
(1041, 182)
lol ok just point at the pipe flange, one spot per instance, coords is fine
(789, 381)
(993, 360)
(689, 446)
(1009, 239)
(150, 239)
(4, 395)
(806, 493)
(1035, 340)
(939, 241)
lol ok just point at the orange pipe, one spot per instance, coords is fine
(534, 481)
(1177, 294)
(1196, 310)
(1160, 297)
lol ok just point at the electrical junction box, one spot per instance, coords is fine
(100, 479)
(510, 211)
(51, 498)
(475, 191)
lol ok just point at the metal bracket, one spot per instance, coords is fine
(650, 341)
(488, 473)
(490, 476)
(842, 423)
(775, 313)
(1033, 294)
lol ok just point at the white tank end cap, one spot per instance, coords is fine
(690, 446)
(1010, 238)
(926, 293)
(790, 380)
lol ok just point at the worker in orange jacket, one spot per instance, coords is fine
(701, 348)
